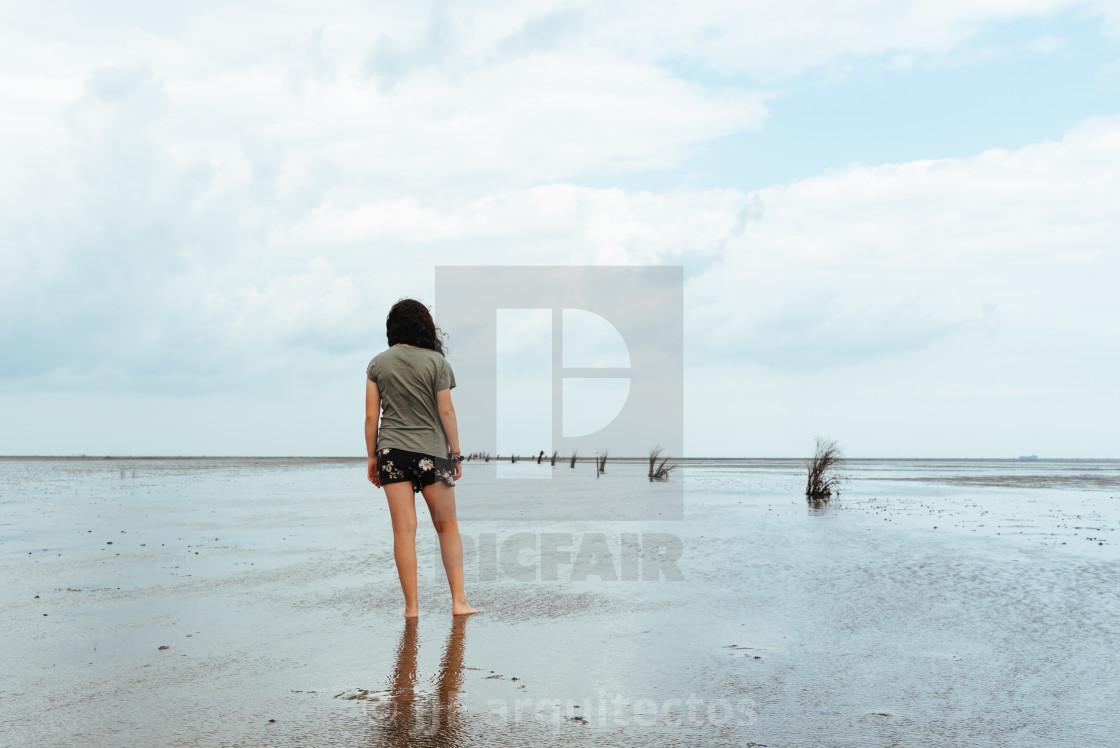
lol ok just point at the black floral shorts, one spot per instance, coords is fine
(396, 465)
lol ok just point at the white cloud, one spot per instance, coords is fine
(1111, 70)
(877, 260)
(860, 263)
(525, 91)
(1046, 44)
(204, 196)
(781, 39)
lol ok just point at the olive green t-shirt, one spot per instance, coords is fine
(408, 380)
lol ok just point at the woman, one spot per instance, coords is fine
(416, 448)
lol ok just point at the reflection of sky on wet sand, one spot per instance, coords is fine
(930, 603)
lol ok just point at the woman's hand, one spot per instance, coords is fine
(458, 470)
(371, 471)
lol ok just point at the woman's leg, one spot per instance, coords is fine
(402, 509)
(440, 498)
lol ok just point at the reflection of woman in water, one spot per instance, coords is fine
(411, 715)
(416, 445)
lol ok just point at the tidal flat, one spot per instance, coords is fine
(253, 602)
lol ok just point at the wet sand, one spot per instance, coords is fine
(255, 602)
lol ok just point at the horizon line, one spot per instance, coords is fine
(590, 457)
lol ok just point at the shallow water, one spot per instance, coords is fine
(932, 602)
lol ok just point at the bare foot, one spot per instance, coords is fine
(414, 613)
(462, 610)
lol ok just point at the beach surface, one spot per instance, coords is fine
(254, 602)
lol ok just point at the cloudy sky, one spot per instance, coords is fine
(898, 220)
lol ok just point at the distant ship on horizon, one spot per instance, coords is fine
(1028, 457)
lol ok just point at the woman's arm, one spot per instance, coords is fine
(373, 413)
(450, 425)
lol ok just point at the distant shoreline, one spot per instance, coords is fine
(527, 460)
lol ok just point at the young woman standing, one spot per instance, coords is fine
(416, 447)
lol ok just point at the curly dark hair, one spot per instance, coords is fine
(409, 321)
